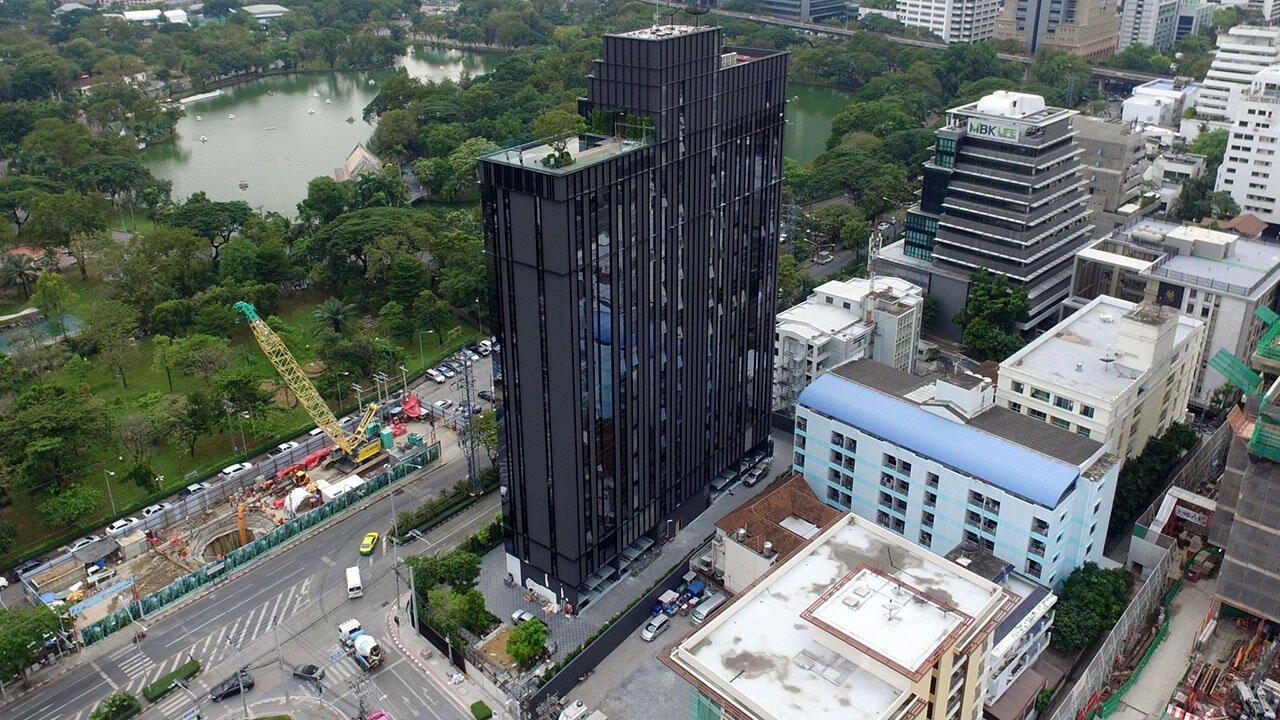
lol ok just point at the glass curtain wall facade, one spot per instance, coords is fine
(635, 293)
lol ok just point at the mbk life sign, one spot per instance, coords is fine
(992, 130)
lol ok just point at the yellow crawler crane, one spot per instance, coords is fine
(353, 446)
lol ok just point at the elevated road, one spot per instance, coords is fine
(1102, 73)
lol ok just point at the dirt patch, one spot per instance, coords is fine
(154, 570)
(313, 369)
(495, 649)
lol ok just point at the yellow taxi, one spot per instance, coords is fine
(370, 541)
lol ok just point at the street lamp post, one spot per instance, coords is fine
(110, 495)
(422, 358)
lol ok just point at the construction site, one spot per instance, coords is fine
(190, 534)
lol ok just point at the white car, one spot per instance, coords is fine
(315, 431)
(122, 526)
(281, 449)
(437, 376)
(443, 404)
(236, 469)
(151, 510)
(84, 541)
(194, 489)
(824, 257)
(448, 372)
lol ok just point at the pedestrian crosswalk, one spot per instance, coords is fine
(246, 628)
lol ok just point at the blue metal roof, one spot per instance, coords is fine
(1010, 467)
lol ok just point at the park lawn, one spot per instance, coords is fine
(214, 451)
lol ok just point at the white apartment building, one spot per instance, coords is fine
(857, 624)
(843, 321)
(1115, 371)
(1249, 170)
(1160, 102)
(1218, 278)
(951, 20)
(1148, 22)
(936, 461)
(1243, 51)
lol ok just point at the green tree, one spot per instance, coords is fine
(991, 314)
(794, 284)
(1090, 603)
(395, 320)
(70, 506)
(558, 126)
(527, 642)
(485, 425)
(214, 221)
(54, 297)
(68, 220)
(23, 633)
(459, 569)
(8, 536)
(117, 706)
(111, 328)
(327, 199)
(19, 270)
(396, 134)
(48, 432)
(334, 316)
(18, 192)
(1213, 145)
(172, 317)
(465, 168)
(195, 415)
(405, 277)
(202, 356)
(432, 312)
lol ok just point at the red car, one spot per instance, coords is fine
(378, 715)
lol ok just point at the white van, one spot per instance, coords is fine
(656, 626)
(354, 588)
(706, 607)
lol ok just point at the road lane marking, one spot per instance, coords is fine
(327, 561)
(288, 602)
(106, 677)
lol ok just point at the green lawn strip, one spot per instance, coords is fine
(165, 683)
(481, 711)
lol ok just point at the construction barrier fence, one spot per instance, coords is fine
(242, 557)
(1081, 700)
(1113, 703)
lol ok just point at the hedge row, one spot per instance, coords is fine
(481, 711)
(449, 502)
(164, 683)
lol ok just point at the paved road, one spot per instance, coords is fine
(303, 587)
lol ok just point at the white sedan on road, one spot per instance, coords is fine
(121, 526)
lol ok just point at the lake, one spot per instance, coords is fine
(277, 133)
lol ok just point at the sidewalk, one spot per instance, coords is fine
(459, 688)
(1149, 695)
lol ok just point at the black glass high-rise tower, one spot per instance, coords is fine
(635, 289)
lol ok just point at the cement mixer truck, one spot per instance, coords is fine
(364, 648)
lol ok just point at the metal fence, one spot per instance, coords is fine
(242, 557)
(1082, 698)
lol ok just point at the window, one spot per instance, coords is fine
(975, 498)
(799, 459)
(926, 538)
(886, 480)
(833, 495)
(1040, 527)
(931, 480)
(1037, 414)
(926, 518)
(882, 518)
(1016, 407)
(1018, 387)
(889, 461)
(799, 442)
(837, 439)
(1039, 394)
(1033, 568)
(802, 423)
(1064, 403)
(904, 467)
(930, 499)
(972, 518)
(886, 500)
(1060, 423)
(1083, 430)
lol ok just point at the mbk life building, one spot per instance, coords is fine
(635, 289)
(1004, 191)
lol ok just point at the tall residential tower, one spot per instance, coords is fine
(635, 269)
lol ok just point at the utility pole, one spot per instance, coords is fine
(275, 632)
(395, 554)
(473, 482)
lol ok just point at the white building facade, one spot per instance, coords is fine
(1243, 51)
(1160, 102)
(1249, 169)
(1148, 22)
(951, 20)
(844, 321)
(1114, 371)
(936, 462)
